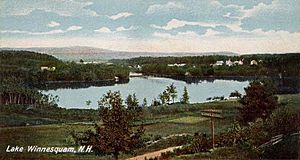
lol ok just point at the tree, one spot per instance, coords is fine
(155, 102)
(185, 97)
(144, 102)
(164, 97)
(258, 102)
(88, 102)
(129, 101)
(133, 103)
(172, 92)
(116, 134)
(235, 94)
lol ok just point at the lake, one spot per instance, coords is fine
(149, 88)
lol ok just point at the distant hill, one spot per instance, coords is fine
(76, 53)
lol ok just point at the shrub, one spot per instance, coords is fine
(258, 102)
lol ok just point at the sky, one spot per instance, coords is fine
(241, 26)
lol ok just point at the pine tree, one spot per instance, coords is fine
(185, 97)
(116, 134)
(258, 102)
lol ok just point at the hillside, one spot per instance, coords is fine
(76, 53)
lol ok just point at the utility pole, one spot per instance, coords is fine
(212, 126)
(212, 114)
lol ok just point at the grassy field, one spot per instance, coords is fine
(160, 121)
(290, 100)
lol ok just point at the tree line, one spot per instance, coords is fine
(27, 65)
(268, 65)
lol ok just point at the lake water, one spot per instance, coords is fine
(149, 88)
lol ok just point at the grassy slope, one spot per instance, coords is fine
(175, 119)
(287, 100)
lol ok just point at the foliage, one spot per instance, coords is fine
(259, 138)
(235, 94)
(232, 137)
(258, 102)
(133, 106)
(169, 94)
(27, 65)
(164, 97)
(284, 121)
(116, 134)
(155, 102)
(145, 104)
(88, 102)
(201, 143)
(171, 90)
(185, 96)
(132, 102)
(197, 66)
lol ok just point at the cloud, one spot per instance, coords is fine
(62, 7)
(187, 35)
(175, 23)
(53, 24)
(244, 13)
(164, 7)
(119, 29)
(103, 30)
(33, 33)
(120, 15)
(48, 32)
(74, 28)
(278, 15)
(270, 42)
(210, 32)
(57, 31)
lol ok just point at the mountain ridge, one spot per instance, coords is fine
(93, 53)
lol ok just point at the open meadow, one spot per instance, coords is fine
(165, 126)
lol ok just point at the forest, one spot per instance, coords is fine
(285, 65)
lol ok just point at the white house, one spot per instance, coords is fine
(218, 63)
(48, 68)
(133, 74)
(229, 63)
(176, 65)
(138, 67)
(253, 62)
(240, 62)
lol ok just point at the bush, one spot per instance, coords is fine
(259, 101)
(200, 143)
(284, 121)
